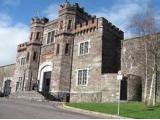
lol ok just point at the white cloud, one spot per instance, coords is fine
(120, 13)
(10, 36)
(5, 20)
(11, 2)
(51, 11)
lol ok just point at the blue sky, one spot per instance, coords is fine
(15, 17)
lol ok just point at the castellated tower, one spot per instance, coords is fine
(56, 52)
(27, 61)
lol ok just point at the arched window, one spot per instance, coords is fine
(34, 56)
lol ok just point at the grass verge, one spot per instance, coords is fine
(129, 109)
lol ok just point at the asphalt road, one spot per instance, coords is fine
(18, 109)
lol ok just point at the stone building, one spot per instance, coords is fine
(140, 64)
(74, 57)
(6, 77)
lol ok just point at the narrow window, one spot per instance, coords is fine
(34, 56)
(80, 74)
(31, 36)
(69, 24)
(57, 51)
(81, 48)
(22, 61)
(61, 25)
(85, 77)
(86, 46)
(37, 35)
(52, 36)
(49, 37)
(67, 48)
(17, 86)
(27, 57)
(82, 77)
(20, 81)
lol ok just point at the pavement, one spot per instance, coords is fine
(24, 109)
(21, 109)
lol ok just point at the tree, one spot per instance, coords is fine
(143, 25)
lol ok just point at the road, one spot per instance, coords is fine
(18, 109)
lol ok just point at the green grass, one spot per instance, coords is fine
(130, 109)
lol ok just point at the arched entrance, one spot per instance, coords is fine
(7, 87)
(44, 76)
(46, 81)
(134, 87)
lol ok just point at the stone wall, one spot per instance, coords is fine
(91, 61)
(95, 97)
(109, 87)
(99, 84)
(133, 58)
(108, 91)
(138, 60)
(7, 73)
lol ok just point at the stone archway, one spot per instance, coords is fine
(7, 87)
(44, 76)
(134, 90)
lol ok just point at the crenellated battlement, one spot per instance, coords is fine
(67, 7)
(89, 26)
(37, 20)
(22, 46)
(112, 27)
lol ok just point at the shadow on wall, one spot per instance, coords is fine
(1, 94)
(59, 97)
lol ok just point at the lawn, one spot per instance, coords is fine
(129, 109)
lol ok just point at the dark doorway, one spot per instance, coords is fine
(139, 92)
(123, 95)
(7, 87)
(46, 82)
